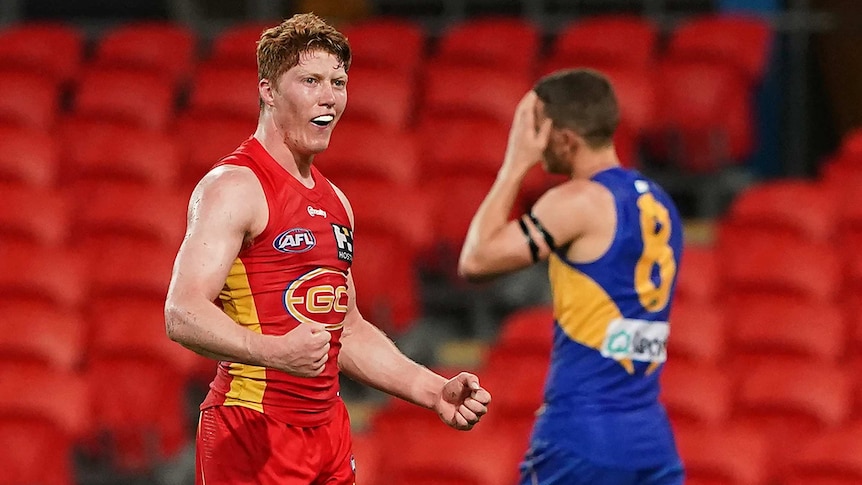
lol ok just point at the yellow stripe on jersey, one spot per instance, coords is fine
(248, 383)
(582, 308)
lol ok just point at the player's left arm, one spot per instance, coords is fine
(494, 244)
(370, 357)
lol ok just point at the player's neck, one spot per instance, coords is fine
(273, 141)
(590, 162)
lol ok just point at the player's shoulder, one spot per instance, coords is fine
(229, 184)
(578, 193)
(229, 177)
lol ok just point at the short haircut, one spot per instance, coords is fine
(279, 47)
(582, 100)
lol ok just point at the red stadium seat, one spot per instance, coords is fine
(368, 454)
(853, 314)
(34, 215)
(850, 214)
(698, 331)
(136, 429)
(517, 381)
(445, 97)
(28, 100)
(791, 401)
(853, 272)
(505, 44)
(453, 201)
(387, 288)
(765, 328)
(130, 270)
(140, 99)
(743, 42)
(134, 426)
(363, 151)
(52, 276)
(136, 213)
(394, 44)
(462, 146)
(697, 393)
(528, 330)
(50, 48)
(829, 458)
(225, 91)
(236, 45)
(204, 140)
(606, 41)
(378, 97)
(28, 157)
(381, 208)
(754, 265)
(407, 459)
(446, 457)
(121, 153)
(136, 327)
(795, 208)
(35, 452)
(39, 424)
(165, 48)
(698, 274)
(727, 455)
(636, 95)
(41, 334)
(704, 120)
(46, 393)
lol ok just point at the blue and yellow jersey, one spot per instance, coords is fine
(610, 340)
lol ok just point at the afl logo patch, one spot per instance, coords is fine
(296, 240)
(319, 296)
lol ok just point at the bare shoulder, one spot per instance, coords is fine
(577, 194)
(228, 180)
(232, 194)
(575, 209)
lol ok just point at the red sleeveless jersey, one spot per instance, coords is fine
(293, 273)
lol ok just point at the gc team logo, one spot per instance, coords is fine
(319, 296)
(296, 240)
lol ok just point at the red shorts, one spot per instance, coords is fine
(237, 445)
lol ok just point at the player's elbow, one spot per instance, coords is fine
(175, 321)
(471, 268)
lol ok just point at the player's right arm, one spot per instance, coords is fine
(227, 208)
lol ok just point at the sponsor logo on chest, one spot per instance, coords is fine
(638, 340)
(295, 240)
(318, 297)
(343, 242)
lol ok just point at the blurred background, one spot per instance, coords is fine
(747, 111)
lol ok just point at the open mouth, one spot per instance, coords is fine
(323, 120)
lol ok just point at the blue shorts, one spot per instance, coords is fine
(550, 464)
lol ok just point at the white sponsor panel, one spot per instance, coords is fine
(639, 340)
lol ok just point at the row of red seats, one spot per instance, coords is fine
(120, 402)
(173, 50)
(699, 88)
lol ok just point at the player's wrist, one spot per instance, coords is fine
(427, 389)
